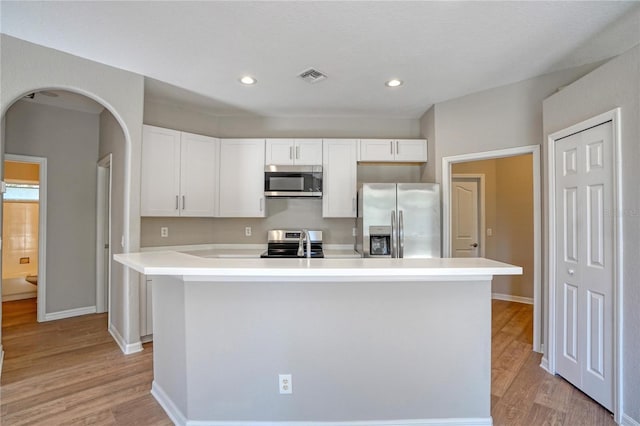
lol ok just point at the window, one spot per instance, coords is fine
(22, 192)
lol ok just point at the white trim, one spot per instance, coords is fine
(537, 221)
(167, 405)
(628, 421)
(512, 298)
(126, 348)
(544, 364)
(613, 116)
(42, 228)
(104, 174)
(482, 231)
(478, 421)
(1, 359)
(76, 312)
(179, 418)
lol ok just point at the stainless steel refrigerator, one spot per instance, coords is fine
(398, 220)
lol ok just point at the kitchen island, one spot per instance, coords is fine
(373, 341)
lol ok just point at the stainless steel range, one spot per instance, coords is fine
(294, 243)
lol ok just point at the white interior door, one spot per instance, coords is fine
(103, 259)
(465, 241)
(584, 264)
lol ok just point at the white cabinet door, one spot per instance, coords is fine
(394, 150)
(339, 182)
(146, 306)
(308, 152)
(286, 152)
(198, 175)
(242, 178)
(377, 149)
(279, 151)
(160, 172)
(411, 150)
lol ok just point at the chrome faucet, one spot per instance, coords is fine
(304, 234)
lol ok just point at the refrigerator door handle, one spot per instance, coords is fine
(401, 233)
(394, 235)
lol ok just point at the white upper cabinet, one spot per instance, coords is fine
(411, 150)
(199, 163)
(179, 173)
(283, 152)
(339, 167)
(242, 178)
(393, 150)
(160, 172)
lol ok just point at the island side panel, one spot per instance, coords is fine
(356, 351)
(169, 344)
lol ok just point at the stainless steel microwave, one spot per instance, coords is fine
(292, 181)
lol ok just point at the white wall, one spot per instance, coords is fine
(615, 84)
(69, 141)
(179, 117)
(503, 117)
(27, 67)
(428, 132)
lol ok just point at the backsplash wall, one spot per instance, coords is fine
(292, 213)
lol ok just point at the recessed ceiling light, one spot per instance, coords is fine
(248, 80)
(393, 83)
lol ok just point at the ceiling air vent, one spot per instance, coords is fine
(312, 76)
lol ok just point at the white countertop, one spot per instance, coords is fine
(350, 269)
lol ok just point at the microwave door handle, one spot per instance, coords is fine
(394, 236)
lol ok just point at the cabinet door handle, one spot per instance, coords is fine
(391, 147)
(397, 148)
(183, 203)
(261, 203)
(297, 152)
(177, 207)
(290, 153)
(353, 204)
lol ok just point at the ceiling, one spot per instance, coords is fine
(195, 52)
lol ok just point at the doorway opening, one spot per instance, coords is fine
(510, 211)
(24, 228)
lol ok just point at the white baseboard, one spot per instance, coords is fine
(174, 413)
(544, 364)
(126, 348)
(178, 418)
(628, 421)
(511, 298)
(407, 422)
(70, 313)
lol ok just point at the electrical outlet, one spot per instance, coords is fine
(353, 232)
(286, 386)
(164, 232)
(247, 231)
(489, 232)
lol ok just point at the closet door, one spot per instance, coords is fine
(584, 264)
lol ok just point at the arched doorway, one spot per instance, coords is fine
(73, 132)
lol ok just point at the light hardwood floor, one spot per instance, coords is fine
(71, 372)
